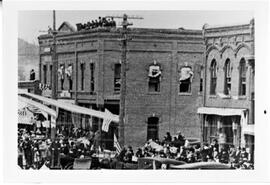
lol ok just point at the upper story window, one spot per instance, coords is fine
(45, 74)
(82, 67)
(69, 71)
(51, 75)
(154, 78)
(92, 77)
(154, 84)
(185, 80)
(227, 73)
(213, 77)
(117, 77)
(242, 77)
(61, 73)
(201, 80)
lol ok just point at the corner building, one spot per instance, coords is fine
(228, 111)
(164, 78)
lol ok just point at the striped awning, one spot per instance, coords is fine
(34, 106)
(74, 108)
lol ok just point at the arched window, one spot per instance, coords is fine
(213, 77)
(242, 77)
(152, 128)
(227, 77)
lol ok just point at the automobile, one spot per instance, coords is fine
(158, 163)
(202, 166)
(69, 163)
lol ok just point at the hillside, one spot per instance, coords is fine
(28, 58)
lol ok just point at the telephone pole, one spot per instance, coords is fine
(54, 71)
(124, 40)
(54, 61)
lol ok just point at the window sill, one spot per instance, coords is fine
(87, 92)
(154, 93)
(242, 97)
(226, 97)
(212, 96)
(184, 94)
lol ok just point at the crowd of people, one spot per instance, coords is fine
(100, 22)
(35, 151)
(178, 148)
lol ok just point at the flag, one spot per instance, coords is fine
(91, 122)
(221, 95)
(116, 144)
(106, 122)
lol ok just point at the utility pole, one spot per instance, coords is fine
(124, 40)
(54, 61)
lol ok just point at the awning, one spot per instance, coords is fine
(75, 108)
(220, 111)
(38, 105)
(248, 129)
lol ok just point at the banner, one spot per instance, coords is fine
(25, 116)
(106, 122)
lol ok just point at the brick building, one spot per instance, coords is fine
(164, 77)
(228, 104)
(31, 86)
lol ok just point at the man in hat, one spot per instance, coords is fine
(32, 74)
(27, 149)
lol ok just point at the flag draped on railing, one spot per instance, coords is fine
(116, 144)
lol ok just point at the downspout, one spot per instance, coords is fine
(202, 117)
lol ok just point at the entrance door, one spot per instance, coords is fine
(152, 128)
(228, 130)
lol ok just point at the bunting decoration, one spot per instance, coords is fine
(68, 71)
(106, 122)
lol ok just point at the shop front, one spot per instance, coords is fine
(224, 125)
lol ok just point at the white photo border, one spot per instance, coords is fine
(262, 163)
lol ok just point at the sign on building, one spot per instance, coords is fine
(65, 94)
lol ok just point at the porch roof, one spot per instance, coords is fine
(220, 111)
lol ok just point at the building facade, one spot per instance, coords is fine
(31, 86)
(228, 104)
(164, 78)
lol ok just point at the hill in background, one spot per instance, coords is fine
(28, 58)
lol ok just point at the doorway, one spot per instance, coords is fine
(152, 128)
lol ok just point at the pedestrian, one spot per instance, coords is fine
(113, 23)
(27, 149)
(243, 156)
(224, 155)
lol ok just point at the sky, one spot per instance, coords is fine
(33, 23)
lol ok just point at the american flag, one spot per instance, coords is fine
(106, 122)
(116, 144)
(34, 109)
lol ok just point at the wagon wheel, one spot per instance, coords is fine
(69, 166)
